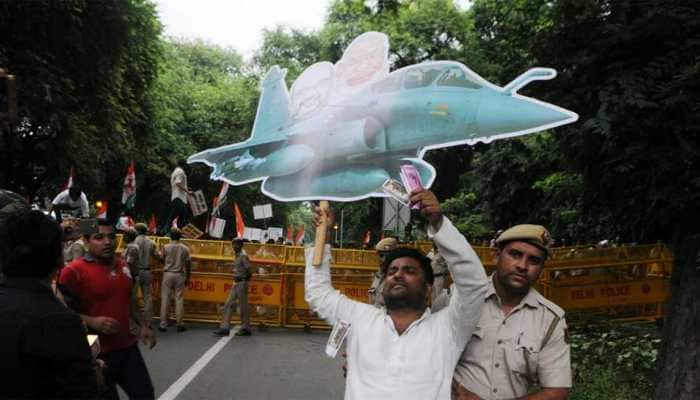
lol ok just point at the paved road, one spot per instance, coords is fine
(276, 364)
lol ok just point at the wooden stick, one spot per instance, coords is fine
(321, 235)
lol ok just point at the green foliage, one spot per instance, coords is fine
(616, 360)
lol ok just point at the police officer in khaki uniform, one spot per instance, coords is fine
(521, 341)
(238, 294)
(177, 266)
(144, 277)
(383, 247)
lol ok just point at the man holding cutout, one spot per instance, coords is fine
(404, 351)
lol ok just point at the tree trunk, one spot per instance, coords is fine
(679, 361)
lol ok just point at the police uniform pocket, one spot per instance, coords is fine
(524, 357)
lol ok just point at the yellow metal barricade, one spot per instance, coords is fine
(628, 283)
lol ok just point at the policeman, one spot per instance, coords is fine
(383, 247)
(144, 277)
(521, 340)
(239, 293)
(177, 266)
(440, 272)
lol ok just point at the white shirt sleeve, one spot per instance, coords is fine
(470, 281)
(60, 197)
(84, 207)
(322, 297)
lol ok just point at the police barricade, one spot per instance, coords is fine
(628, 283)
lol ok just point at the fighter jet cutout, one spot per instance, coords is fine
(346, 128)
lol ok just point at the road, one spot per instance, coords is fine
(275, 364)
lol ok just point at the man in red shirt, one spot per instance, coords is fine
(101, 285)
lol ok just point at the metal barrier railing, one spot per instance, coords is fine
(622, 283)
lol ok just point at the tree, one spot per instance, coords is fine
(84, 69)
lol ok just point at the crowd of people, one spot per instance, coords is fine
(480, 338)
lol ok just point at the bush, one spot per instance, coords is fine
(614, 361)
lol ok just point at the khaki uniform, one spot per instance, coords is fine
(176, 268)
(74, 250)
(440, 273)
(238, 293)
(144, 277)
(508, 354)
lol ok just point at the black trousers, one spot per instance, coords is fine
(178, 209)
(126, 368)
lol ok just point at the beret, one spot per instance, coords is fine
(536, 235)
(387, 244)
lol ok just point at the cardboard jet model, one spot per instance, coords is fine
(346, 128)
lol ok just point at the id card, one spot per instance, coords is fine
(337, 337)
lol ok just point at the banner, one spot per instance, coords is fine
(198, 203)
(240, 225)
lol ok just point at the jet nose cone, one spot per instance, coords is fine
(503, 114)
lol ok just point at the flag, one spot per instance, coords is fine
(174, 224)
(219, 200)
(129, 187)
(69, 183)
(152, 224)
(101, 210)
(240, 225)
(300, 236)
(216, 206)
(290, 234)
(368, 236)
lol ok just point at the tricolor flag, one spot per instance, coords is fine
(368, 237)
(216, 206)
(69, 183)
(129, 187)
(152, 224)
(101, 210)
(240, 225)
(290, 234)
(300, 236)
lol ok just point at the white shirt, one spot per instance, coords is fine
(418, 364)
(80, 206)
(178, 176)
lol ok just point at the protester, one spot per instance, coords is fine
(178, 197)
(101, 285)
(238, 294)
(143, 280)
(72, 202)
(383, 247)
(43, 346)
(404, 350)
(176, 274)
(521, 341)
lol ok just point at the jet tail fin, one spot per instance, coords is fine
(273, 107)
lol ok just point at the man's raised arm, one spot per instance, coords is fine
(470, 281)
(318, 290)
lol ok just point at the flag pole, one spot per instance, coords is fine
(321, 234)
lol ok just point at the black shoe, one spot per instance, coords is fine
(221, 332)
(160, 328)
(181, 328)
(244, 332)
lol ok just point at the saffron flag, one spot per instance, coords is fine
(300, 236)
(240, 225)
(101, 210)
(152, 224)
(368, 236)
(69, 183)
(129, 187)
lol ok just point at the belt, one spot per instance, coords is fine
(241, 279)
(441, 274)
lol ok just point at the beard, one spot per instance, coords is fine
(408, 300)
